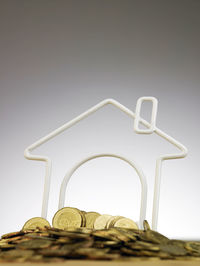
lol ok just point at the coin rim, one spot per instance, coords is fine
(54, 217)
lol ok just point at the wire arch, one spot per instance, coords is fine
(138, 170)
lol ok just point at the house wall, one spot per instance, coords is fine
(58, 58)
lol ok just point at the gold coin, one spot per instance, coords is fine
(125, 222)
(90, 218)
(35, 222)
(193, 246)
(35, 244)
(67, 217)
(56, 245)
(111, 221)
(83, 218)
(146, 225)
(100, 222)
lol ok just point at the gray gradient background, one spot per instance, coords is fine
(57, 59)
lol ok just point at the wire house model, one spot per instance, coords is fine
(137, 120)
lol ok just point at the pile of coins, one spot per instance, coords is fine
(50, 244)
(72, 217)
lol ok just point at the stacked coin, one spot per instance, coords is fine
(56, 245)
(120, 221)
(68, 217)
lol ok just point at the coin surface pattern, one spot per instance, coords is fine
(125, 222)
(100, 222)
(67, 217)
(35, 222)
(91, 218)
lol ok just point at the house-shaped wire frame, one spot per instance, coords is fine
(151, 128)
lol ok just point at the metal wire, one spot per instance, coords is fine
(152, 129)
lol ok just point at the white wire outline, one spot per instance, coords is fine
(91, 110)
(132, 163)
(153, 115)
